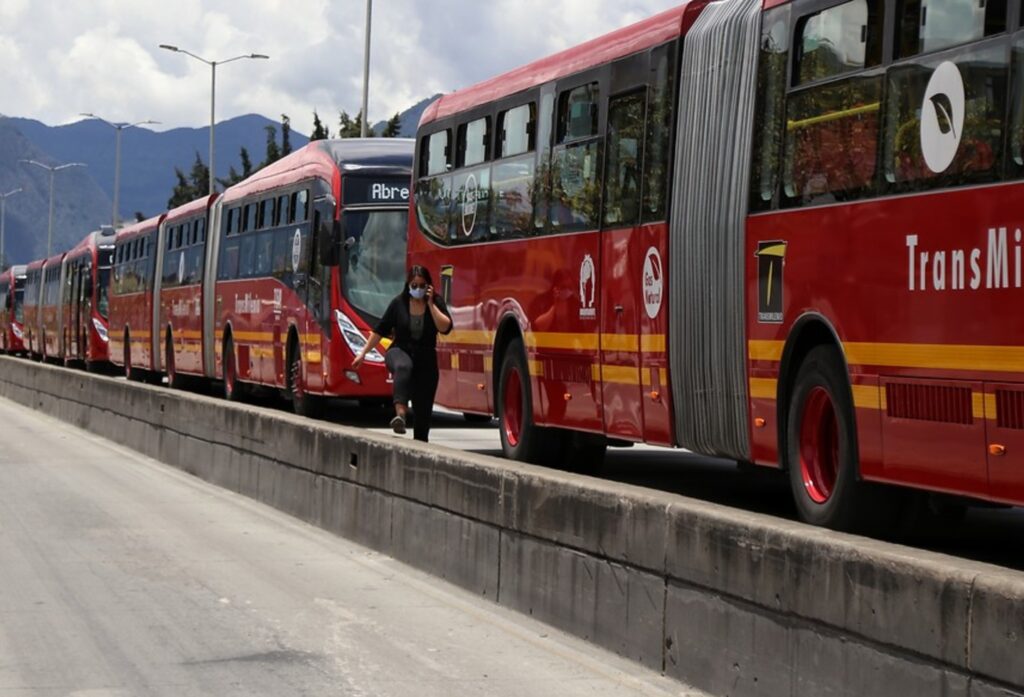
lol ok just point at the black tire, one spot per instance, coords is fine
(131, 373)
(303, 403)
(174, 381)
(472, 418)
(521, 438)
(234, 390)
(821, 449)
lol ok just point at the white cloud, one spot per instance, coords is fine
(61, 59)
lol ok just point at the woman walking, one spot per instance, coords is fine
(414, 318)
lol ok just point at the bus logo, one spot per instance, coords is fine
(771, 257)
(653, 282)
(296, 251)
(469, 198)
(588, 281)
(942, 117)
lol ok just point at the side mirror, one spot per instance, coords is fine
(350, 242)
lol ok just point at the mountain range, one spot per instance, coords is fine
(83, 195)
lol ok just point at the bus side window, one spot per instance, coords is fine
(576, 160)
(625, 153)
(513, 175)
(769, 109)
(281, 213)
(832, 128)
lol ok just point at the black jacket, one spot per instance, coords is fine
(396, 321)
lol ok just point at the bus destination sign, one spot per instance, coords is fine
(383, 191)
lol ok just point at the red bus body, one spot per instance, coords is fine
(862, 298)
(85, 300)
(131, 324)
(184, 248)
(50, 312)
(285, 312)
(12, 310)
(33, 293)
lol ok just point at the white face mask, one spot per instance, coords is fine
(417, 293)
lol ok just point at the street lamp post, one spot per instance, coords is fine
(213, 91)
(364, 130)
(52, 171)
(116, 217)
(3, 218)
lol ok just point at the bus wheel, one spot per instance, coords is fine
(129, 372)
(234, 391)
(303, 403)
(521, 438)
(822, 446)
(173, 380)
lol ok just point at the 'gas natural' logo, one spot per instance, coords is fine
(942, 117)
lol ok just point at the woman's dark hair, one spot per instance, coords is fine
(418, 270)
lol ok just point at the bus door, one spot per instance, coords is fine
(75, 349)
(622, 265)
(318, 289)
(83, 314)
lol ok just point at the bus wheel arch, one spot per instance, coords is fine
(508, 331)
(303, 403)
(229, 368)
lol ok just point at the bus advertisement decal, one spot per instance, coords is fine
(771, 257)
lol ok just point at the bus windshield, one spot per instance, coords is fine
(374, 264)
(103, 293)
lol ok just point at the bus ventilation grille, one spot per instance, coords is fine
(940, 403)
(1010, 409)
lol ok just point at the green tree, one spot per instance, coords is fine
(351, 128)
(246, 163)
(320, 131)
(139, 216)
(273, 151)
(189, 188)
(200, 176)
(393, 128)
(286, 135)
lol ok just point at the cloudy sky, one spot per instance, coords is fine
(62, 58)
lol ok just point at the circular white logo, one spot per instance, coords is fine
(296, 251)
(942, 117)
(469, 206)
(653, 282)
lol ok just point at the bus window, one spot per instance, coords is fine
(839, 40)
(249, 217)
(661, 108)
(281, 212)
(769, 109)
(575, 161)
(625, 151)
(264, 254)
(474, 142)
(978, 153)
(300, 206)
(436, 154)
(516, 127)
(281, 265)
(932, 25)
(247, 256)
(375, 263)
(229, 261)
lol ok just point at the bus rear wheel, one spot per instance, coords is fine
(521, 438)
(233, 389)
(821, 446)
(303, 403)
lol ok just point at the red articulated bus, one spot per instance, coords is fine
(85, 300)
(307, 255)
(183, 241)
(33, 293)
(12, 310)
(50, 313)
(133, 344)
(783, 232)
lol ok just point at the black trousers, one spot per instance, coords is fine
(415, 379)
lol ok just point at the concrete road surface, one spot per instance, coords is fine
(121, 576)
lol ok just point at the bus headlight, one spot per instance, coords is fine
(354, 338)
(16, 328)
(101, 329)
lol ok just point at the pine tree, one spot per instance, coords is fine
(286, 135)
(394, 127)
(182, 193)
(347, 128)
(246, 163)
(273, 152)
(233, 176)
(320, 131)
(139, 216)
(200, 176)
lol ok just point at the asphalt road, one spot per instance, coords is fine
(122, 576)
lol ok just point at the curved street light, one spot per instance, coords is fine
(53, 171)
(213, 87)
(115, 218)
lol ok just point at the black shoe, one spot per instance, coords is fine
(398, 425)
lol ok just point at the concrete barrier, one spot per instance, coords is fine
(734, 603)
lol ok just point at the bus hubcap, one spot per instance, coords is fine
(512, 411)
(819, 445)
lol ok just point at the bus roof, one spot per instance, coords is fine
(647, 33)
(186, 209)
(137, 228)
(325, 158)
(94, 239)
(19, 270)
